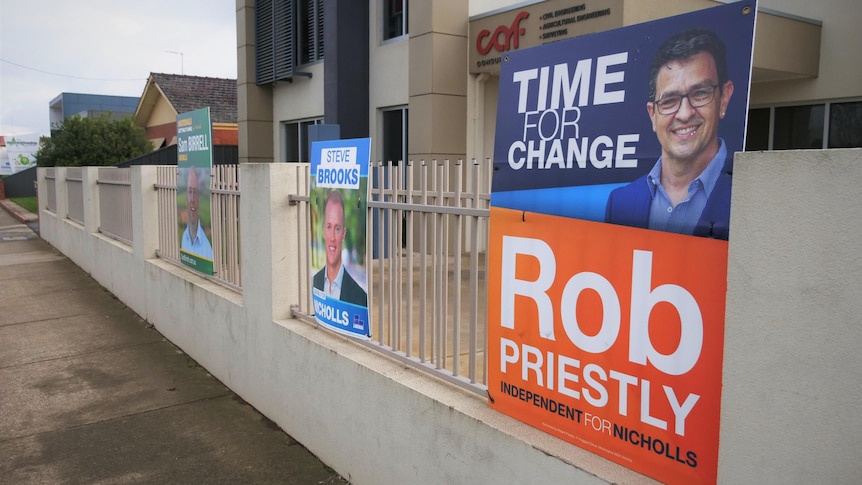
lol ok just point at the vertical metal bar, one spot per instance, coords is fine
(423, 263)
(302, 271)
(216, 221)
(391, 214)
(369, 250)
(235, 262)
(399, 277)
(474, 274)
(456, 314)
(381, 247)
(409, 284)
(487, 231)
(236, 227)
(305, 169)
(227, 222)
(440, 268)
(304, 181)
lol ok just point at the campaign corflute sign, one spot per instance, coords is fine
(339, 195)
(194, 164)
(608, 242)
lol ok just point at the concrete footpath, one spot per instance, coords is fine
(89, 393)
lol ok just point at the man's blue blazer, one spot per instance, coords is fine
(629, 205)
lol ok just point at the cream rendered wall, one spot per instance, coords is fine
(791, 407)
(840, 57)
(639, 11)
(438, 80)
(481, 115)
(479, 7)
(254, 103)
(388, 74)
(299, 100)
(492, 92)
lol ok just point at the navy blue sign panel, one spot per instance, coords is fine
(572, 120)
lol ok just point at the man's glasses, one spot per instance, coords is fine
(697, 97)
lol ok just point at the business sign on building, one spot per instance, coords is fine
(608, 241)
(20, 153)
(194, 162)
(339, 197)
(493, 36)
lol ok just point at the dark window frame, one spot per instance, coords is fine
(394, 19)
(296, 147)
(388, 145)
(831, 112)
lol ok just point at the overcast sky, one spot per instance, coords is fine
(48, 47)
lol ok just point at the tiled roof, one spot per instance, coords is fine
(188, 93)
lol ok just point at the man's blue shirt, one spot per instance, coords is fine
(632, 204)
(683, 217)
(200, 246)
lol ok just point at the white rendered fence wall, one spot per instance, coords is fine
(75, 194)
(791, 409)
(115, 203)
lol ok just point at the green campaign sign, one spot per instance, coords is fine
(194, 161)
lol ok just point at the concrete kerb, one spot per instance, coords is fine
(18, 212)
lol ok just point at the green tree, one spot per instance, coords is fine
(98, 141)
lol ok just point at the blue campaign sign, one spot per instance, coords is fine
(574, 119)
(340, 163)
(339, 194)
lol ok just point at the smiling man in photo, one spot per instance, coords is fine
(688, 189)
(194, 238)
(333, 279)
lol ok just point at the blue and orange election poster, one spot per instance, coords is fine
(339, 195)
(608, 242)
(194, 164)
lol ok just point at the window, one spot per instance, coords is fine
(757, 133)
(394, 135)
(296, 145)
(287, 33)
(394, 18)
(798, 127)
(845, 125)
(394, 151)
(817, 126)
(310, 31)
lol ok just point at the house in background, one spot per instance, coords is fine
(167, 95)
(90, 106)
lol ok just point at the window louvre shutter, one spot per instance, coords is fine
(283, 40)
(273, 37)
(320, 29)
(264, 66)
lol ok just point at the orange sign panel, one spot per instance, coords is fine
(611, 338)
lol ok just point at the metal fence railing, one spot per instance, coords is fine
(427, 245)
(75, 194)
(225, 224)
(51, 189)
(224, 202)
(115, 203)
(426, 266)
(166, 188)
